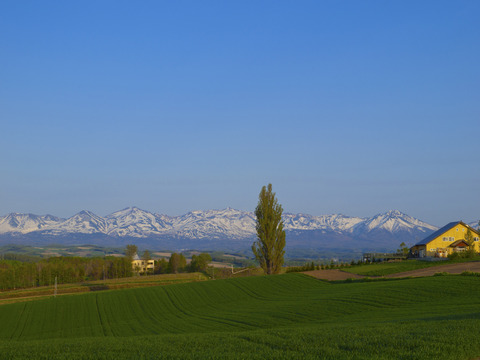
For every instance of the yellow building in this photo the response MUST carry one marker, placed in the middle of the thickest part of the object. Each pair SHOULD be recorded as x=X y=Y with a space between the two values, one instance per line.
x=141 y=266
x=445 y=241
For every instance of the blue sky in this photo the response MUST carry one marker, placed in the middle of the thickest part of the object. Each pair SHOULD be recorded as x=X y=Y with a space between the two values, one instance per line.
x=351 y=107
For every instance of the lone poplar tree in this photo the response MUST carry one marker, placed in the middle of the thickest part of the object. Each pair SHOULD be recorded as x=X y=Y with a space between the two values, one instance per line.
x=268 y=248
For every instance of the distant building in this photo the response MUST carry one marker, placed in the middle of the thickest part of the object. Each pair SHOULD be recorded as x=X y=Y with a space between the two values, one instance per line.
x=448 y=239
x=141 y=266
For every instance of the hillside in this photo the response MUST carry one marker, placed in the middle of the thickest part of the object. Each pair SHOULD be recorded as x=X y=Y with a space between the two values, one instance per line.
x=285 y=316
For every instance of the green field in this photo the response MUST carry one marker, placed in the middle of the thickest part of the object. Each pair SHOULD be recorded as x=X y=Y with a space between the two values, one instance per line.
x=27 y=294
x=282 y=317
x=387 y=268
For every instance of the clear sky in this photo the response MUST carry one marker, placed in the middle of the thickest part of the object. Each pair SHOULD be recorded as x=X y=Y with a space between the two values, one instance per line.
x=352 y=107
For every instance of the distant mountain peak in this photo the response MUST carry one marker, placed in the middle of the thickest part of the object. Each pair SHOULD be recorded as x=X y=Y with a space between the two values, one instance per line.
x=394 y=213
x=225 y=224
x=391 y=214
x=393 y=221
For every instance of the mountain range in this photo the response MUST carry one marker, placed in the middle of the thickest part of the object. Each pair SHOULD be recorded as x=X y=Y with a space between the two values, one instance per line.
x=227 y=229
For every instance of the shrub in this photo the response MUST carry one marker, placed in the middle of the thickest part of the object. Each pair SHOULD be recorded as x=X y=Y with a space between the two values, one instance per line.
x=470 y=273
x=306 y=267
x=454 y=255
x=468 y=254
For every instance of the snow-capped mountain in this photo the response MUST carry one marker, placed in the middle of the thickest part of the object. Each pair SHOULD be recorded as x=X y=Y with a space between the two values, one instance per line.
x=475 y=224
x=216 y=224
x=135 y=222
x=393 y=221
x=227 y=229
x=85 y=222
x=336 y=222
x=210 y=224
x=25 y=223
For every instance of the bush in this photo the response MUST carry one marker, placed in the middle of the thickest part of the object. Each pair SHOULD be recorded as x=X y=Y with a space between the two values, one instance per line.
x=454 y=255
x=200 y=262
x=468 y=254
x=470 y=273
x=306 y=267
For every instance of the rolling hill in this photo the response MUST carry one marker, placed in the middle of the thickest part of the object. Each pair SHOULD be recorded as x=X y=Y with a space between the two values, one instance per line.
x=282 y=317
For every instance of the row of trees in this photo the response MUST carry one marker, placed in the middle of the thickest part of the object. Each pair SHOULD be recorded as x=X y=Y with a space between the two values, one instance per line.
x=15 y=274
x=177 y=262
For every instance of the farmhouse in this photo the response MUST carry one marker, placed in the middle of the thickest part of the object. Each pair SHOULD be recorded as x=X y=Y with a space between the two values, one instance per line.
x=141 y=266
x=444 y=241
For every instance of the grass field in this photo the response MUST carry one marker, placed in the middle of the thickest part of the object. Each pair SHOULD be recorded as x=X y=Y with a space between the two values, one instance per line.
x=284 y=316
x=12 y=296
x=387 y=268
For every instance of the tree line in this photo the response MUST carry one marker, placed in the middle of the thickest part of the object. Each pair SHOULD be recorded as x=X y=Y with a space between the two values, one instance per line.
x=176 y=263
x=17 y=274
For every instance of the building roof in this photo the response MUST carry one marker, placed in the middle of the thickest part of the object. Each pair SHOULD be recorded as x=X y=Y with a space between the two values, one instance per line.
x=458 y=242
x=442 y=230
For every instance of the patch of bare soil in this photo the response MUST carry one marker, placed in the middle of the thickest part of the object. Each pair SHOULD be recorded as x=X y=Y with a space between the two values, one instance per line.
x=451 y=269
x=332 y=275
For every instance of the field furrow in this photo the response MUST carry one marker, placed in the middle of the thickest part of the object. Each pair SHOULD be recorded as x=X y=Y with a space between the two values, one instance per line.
x=283 y=316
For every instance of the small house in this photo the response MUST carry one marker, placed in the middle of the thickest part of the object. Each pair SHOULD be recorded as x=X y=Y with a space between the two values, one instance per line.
x=444 y=241
x=142 y=266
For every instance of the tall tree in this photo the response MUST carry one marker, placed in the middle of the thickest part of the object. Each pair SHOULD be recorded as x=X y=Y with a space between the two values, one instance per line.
x=177 y=263
x=404 y=250
x=131 y=251
x=200 y=262
x=469 y=240
x=270 y=243
x=161 y=266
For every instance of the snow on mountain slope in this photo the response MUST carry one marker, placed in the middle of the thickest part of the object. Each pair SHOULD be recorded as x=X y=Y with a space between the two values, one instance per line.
x=85 y=222
x=216 y=224
x=474 y=224
x=393 y=221
x=337 y=222
x=25 y=223
x=135 y=222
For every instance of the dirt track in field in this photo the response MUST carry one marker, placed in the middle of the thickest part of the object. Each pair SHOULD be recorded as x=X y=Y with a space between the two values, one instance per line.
x=332 y=275
x=451 y=269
